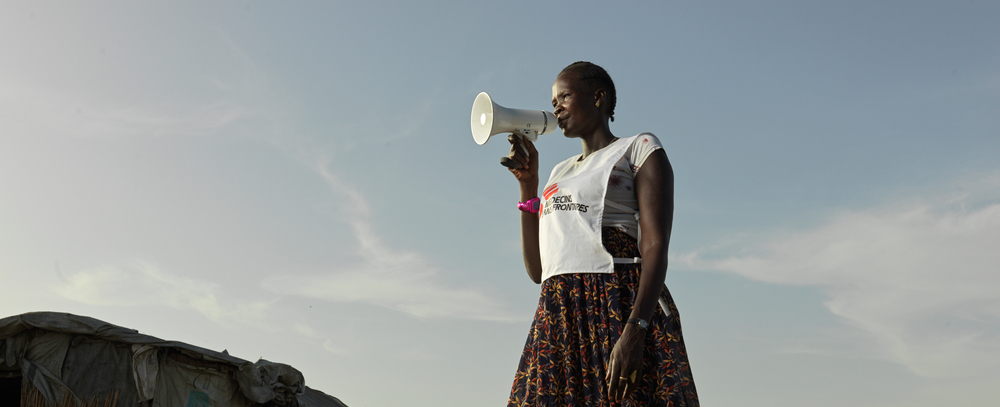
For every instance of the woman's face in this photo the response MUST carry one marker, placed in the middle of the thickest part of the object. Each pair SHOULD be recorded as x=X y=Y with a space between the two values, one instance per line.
x=575 y=108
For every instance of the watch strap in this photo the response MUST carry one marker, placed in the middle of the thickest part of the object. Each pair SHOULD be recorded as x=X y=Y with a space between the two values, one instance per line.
x=531 y=206
x=638 y=321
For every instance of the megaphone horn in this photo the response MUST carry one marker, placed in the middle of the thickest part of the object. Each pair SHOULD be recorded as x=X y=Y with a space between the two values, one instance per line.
x=489 y=119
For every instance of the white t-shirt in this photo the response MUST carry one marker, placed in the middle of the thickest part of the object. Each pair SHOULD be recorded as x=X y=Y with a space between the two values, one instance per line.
x=621 y=184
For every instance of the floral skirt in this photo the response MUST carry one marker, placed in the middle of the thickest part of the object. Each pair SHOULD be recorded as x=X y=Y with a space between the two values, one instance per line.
x=578 y=321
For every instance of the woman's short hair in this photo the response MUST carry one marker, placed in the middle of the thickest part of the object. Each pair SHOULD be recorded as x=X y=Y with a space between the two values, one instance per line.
x=595 y=77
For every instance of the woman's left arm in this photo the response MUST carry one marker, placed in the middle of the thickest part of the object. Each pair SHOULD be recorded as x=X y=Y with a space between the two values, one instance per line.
x=654 y=189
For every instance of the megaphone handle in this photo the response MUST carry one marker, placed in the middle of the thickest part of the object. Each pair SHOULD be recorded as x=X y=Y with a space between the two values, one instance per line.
x=507 y=162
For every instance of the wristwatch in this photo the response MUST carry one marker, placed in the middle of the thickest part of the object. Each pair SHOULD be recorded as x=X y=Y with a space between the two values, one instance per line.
x=531 y=206
x=638 y=321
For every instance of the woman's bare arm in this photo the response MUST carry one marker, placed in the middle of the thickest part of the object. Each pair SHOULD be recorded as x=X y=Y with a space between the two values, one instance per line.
x=527 y=177
x=654 y=186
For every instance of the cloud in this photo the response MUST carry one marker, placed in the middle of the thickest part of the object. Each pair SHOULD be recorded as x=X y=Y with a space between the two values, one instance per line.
x=28 y=109
x=140 y=283
x=401 y=280
x=319 y=340
x=231 y=91
x=921 y=277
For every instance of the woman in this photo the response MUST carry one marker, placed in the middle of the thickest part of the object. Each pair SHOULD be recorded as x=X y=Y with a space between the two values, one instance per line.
x=606 y=331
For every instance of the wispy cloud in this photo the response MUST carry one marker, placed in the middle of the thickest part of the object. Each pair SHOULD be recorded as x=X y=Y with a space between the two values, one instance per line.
x=397 y=279
x=234 y=92
x=28 y=109
x=319 y=340
x=921 y=277
x=139 y=283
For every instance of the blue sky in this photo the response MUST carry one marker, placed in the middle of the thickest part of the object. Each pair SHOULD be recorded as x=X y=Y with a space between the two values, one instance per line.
x=297 y=181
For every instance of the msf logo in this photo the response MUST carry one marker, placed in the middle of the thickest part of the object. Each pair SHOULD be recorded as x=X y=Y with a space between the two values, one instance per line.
x=550 y=190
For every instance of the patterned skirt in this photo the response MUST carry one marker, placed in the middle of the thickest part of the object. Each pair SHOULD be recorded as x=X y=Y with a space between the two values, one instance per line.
x=578 y=321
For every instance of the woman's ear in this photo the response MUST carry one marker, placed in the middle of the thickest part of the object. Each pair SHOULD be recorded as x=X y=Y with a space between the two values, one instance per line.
x=599 y=97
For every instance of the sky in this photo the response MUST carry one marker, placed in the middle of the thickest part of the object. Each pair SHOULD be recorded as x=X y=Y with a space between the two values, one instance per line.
x=297 y=181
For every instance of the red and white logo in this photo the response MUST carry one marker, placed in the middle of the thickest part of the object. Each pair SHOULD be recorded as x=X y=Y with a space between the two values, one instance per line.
x=550 y=190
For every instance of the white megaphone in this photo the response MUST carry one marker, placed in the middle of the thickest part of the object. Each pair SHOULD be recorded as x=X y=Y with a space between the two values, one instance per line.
x=489 y=119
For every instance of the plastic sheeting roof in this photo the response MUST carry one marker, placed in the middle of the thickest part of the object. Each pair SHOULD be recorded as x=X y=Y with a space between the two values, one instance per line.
x=59 y=352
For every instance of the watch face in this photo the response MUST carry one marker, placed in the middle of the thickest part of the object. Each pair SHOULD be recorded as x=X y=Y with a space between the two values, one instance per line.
x=531 y=206
x=639 y=321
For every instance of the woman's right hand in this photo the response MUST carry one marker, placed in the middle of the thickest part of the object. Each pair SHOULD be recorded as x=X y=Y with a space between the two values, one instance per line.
x=527 y=163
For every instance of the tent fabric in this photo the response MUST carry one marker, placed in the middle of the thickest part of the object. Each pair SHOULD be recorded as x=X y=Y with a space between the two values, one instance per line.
x=145 y=366
x=62 y=354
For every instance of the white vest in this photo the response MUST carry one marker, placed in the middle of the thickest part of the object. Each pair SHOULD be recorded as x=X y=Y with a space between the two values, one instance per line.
x=569 y=226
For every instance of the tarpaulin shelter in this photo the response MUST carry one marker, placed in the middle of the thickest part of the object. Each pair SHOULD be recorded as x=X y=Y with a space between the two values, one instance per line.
x=58 y=359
